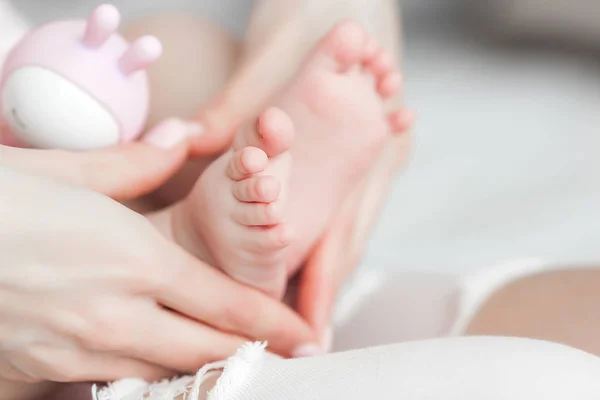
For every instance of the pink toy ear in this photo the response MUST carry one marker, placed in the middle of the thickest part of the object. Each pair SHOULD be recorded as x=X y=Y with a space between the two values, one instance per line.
x=143 y=52
x=102 y=23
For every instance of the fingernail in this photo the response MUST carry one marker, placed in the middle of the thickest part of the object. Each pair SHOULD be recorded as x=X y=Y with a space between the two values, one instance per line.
x=327 y=340
x=171 y=132
x=308 y=350
x=195 y=128
x=167 y=134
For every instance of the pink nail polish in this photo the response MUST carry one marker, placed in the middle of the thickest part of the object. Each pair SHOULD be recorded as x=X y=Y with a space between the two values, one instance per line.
x=195 y=128
x=308 y=350
x=170 y=133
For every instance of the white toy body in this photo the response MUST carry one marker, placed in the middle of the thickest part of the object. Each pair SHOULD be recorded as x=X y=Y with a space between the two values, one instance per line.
x=77 y=85
x=45 y=110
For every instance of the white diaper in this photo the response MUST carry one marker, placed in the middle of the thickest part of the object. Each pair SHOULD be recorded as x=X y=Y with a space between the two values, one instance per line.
x=475 y=289
x=416 y=305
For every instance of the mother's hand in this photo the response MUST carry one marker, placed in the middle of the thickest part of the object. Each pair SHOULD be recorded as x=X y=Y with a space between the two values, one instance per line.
x=90 y=291
x=122 y=172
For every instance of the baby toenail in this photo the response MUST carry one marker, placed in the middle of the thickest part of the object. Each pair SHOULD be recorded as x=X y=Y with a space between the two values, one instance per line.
x=253 y=159
x=168 y=134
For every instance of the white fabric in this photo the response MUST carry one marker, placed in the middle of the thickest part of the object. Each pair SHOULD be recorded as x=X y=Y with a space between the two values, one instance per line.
x=472 y=368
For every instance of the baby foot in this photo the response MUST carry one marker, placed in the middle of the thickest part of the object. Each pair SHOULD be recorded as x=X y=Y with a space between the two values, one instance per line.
x=337 y=103
x=238 y=205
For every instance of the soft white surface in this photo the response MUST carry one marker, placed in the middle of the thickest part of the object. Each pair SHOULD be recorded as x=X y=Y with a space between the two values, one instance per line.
x=491 y=368
x=506 y=163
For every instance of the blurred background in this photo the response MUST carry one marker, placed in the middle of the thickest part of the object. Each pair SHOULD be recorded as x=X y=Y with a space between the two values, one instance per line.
x=506 y=161
x=507 y=157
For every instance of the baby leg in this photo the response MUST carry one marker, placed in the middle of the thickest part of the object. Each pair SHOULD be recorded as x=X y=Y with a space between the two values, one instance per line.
x=559 y=305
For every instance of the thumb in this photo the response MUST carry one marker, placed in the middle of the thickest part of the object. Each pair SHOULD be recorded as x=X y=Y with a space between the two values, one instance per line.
x=321 y=280
x=218 y=123
x=121 y=172
x=238 y=103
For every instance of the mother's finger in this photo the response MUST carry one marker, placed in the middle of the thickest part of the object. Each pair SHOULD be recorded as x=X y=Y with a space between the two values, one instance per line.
x=321 y=279
x=69 y=364
x=121 y=172
x=206 y=294
x=179 y=343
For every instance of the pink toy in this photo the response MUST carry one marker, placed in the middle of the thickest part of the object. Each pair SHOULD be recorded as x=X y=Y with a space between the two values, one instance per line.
x=77 y=85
